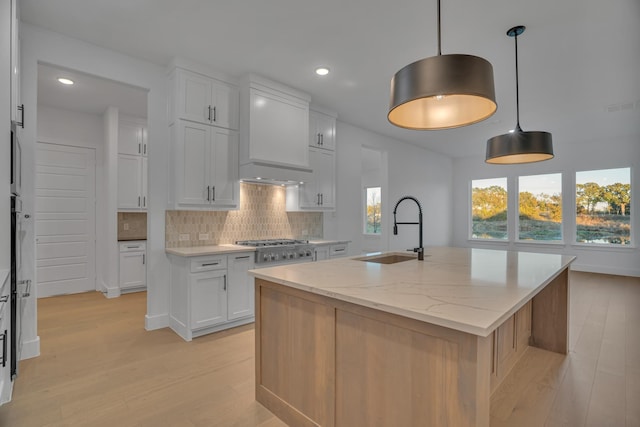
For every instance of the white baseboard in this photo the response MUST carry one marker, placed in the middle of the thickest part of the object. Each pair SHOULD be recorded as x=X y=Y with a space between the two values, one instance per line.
x=30 y=349
x=604 y=269
x=158 y=321
x=112 y=292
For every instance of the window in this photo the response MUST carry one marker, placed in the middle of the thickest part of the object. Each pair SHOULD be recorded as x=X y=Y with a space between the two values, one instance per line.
x=373 y=211
x=540 y=207
x=603 y=206
x=489 y=208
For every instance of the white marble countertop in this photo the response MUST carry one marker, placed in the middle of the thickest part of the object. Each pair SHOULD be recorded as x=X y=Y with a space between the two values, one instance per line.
x=470 y=290
x=209 y=250
x=322 y=242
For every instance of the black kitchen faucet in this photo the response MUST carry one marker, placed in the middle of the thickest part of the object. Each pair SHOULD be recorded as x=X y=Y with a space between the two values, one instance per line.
x=419 y=249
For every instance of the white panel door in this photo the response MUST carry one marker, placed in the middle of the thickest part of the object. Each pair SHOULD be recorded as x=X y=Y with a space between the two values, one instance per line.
x=130 y=183
x=224 y=168
x=65 y=219
x=208 y=298
x=240 y=298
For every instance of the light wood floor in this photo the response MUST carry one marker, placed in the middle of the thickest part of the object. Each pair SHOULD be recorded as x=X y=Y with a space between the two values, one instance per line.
x=99 y=367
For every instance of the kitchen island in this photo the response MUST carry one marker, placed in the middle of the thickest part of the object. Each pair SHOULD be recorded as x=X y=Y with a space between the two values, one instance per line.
x=390 y=340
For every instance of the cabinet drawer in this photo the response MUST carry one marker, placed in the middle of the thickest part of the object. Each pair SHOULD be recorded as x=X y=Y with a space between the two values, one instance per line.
x=338 y=250
x=208 y=263
x=133 y=246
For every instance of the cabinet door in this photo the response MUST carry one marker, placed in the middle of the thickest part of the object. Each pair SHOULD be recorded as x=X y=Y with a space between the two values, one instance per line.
x=327 y=130
x=240 y=300
x=322 y=252
x=133 y=270
x=223 y=177
x=129 y=138
x=192 y=164
x=208 y=298
x=145 y=141
x=226 y=103
x=324 y=170
x=322 y=131
x=144 y=183
x=129 y=182
x=194 y=97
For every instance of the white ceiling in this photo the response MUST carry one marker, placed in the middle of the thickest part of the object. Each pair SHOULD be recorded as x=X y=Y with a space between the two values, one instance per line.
x=88 y=94
x=577 y=57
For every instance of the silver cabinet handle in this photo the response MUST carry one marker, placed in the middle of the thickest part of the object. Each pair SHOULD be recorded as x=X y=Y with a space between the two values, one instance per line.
x=144 y=257
x=133 y=247
x=243 y=257
x=138 y=201
x=139 y=148
x=4 y=298
x=318 y=139
x=321 y=199
x=208 y=193
x=214 y=114
x=225 y=282
x=209 y=117
x=207 y=264
x=144 y=201
x=213 y=193
x=321 y=139
x=145 y=149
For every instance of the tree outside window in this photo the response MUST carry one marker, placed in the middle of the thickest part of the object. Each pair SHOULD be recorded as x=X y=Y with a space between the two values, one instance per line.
x=603 y=206
x=373 y=211
x=489 y=208
x=540 y=207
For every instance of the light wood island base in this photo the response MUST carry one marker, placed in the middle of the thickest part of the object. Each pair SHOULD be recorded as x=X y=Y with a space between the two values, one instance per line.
x=325 y=362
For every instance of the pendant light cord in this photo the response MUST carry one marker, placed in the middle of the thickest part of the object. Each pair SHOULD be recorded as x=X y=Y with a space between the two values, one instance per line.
x=439 y=44
x=518 y=129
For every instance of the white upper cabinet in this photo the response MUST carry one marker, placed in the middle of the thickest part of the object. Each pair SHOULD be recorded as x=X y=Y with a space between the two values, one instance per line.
x=318 y=193
x=132 y=164
x=206 y=166
x=132 y=182
x=132 y=137
x=276 y=126
x=205 y=100
x=322 y=130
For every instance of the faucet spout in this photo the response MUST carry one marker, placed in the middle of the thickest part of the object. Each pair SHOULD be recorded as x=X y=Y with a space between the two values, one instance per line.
x=420 y=248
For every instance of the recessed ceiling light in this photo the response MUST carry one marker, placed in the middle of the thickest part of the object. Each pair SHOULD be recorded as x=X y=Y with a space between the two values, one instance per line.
x=322 y=71
x=65 y=81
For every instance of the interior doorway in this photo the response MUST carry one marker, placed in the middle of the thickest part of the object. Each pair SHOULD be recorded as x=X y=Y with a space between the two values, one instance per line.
x=83 y=117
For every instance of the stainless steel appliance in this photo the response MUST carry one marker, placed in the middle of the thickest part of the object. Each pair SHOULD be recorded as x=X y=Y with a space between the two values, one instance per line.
x=272 y=252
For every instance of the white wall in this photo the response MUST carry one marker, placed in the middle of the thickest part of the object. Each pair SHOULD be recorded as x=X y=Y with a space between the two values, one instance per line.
x=39 y=45
x=411 y=171
x=613 y=152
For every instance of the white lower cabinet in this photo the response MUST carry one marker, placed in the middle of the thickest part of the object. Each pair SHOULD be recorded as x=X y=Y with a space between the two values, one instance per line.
x=210 y=293
x=331 y=250
x=133 y=266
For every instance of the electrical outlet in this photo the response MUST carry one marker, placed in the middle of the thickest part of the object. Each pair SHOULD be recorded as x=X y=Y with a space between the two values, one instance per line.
x=203 y=236
x=184 y=237
x=125 y=226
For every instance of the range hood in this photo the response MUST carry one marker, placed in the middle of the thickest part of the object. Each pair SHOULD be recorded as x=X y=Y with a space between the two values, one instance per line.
x=274 y=142
x=268 y=173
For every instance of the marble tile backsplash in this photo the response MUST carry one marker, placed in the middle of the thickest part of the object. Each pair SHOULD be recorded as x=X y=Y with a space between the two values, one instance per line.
x=262 y=215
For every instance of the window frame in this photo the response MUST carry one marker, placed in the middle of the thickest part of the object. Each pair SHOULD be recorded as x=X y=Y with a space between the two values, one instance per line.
x=365 y=221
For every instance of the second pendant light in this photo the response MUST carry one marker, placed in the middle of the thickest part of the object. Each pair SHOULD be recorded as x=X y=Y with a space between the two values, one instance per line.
x=519 y=146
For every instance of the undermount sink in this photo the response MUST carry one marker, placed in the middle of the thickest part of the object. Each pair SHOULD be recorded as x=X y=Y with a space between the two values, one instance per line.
x=387 y=259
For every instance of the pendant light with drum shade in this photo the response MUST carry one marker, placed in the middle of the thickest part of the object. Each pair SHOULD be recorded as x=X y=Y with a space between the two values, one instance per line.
x=519 y=146
x=442 y=92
